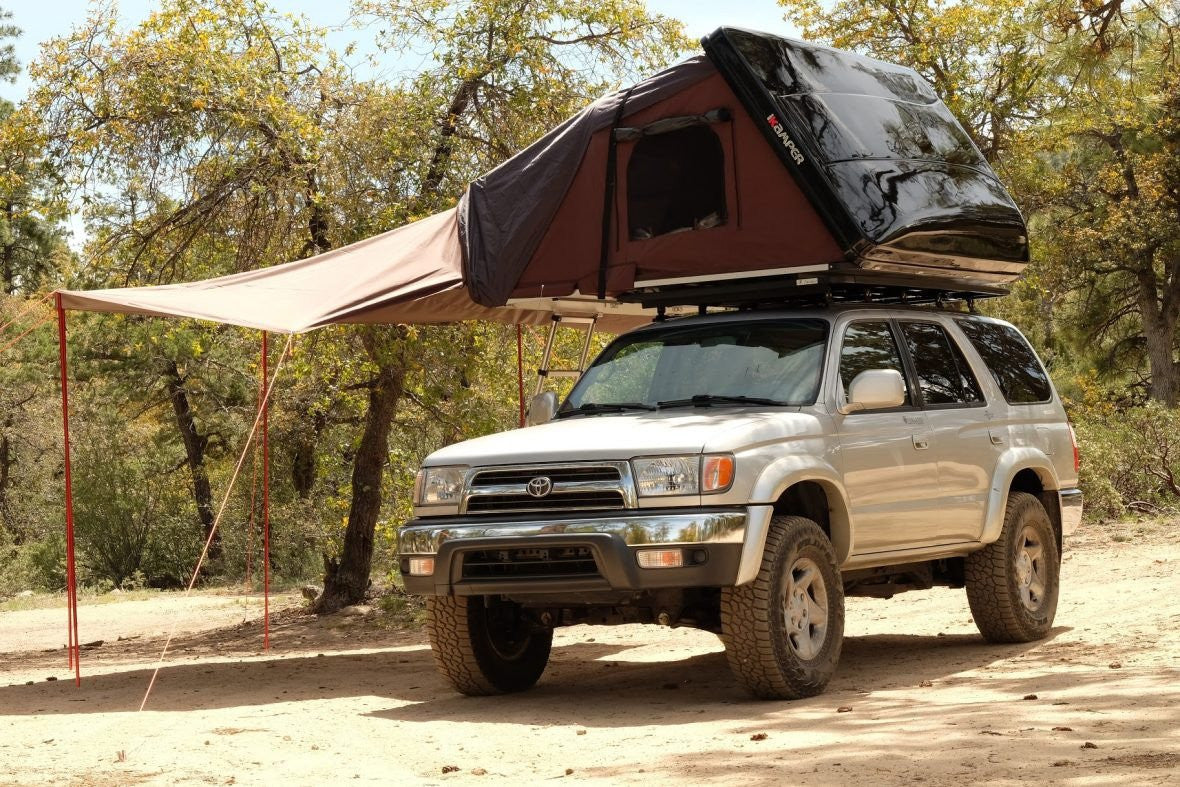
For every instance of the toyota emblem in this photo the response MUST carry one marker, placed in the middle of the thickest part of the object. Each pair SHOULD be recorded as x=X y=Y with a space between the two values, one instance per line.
x=539 y=486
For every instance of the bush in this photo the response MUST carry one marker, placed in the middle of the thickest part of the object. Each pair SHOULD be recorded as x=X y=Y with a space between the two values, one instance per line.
x=1130 y=458
x=134 y=518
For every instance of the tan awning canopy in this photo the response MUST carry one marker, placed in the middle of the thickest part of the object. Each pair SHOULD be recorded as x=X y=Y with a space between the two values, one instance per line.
x=412 y=274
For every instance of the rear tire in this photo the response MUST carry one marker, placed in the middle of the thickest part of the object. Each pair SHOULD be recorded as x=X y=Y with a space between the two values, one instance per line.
x=1012 y=584
x=783 y=630
x=485 y=646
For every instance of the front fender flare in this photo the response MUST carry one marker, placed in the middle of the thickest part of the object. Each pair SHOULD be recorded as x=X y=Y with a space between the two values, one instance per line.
x=779 y=476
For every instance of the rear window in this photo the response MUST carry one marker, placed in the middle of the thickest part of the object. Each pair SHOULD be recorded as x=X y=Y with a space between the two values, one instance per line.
x=1011 y=360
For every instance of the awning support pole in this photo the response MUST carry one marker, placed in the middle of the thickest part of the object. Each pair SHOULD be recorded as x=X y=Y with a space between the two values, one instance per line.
x=520 y=372
x=74 y=651
x=265 y=501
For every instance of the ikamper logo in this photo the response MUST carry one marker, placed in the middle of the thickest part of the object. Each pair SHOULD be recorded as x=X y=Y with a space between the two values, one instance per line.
x=788 y=143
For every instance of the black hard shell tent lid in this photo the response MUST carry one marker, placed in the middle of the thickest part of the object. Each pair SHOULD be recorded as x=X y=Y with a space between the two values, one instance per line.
x=751 y=173
x=766 y=157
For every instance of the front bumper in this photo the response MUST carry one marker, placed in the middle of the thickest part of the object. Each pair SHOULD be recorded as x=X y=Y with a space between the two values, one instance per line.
x=579 y=554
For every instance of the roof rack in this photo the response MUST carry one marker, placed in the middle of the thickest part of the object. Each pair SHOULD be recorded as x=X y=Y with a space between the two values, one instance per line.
x=813 y=289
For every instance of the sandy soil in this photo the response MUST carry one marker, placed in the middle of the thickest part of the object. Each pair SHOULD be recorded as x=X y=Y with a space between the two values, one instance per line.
x=348 y=698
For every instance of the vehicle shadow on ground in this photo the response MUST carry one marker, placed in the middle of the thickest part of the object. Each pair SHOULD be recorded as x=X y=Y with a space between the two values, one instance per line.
x=587 y=683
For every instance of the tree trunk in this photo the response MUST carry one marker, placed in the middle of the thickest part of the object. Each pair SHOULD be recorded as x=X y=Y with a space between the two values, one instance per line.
x=195 y=444
x=8 y=253
x=448 y=127
x=303 y=458
x=1165 y=382
x=346 y=579
x=6 y=462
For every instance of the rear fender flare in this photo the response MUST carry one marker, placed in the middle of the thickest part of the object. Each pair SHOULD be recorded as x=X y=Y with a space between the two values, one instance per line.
x=1010 y=463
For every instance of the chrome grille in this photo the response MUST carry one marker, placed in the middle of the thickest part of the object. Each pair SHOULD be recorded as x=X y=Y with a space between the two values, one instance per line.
x=603 y=486
x=522 y=476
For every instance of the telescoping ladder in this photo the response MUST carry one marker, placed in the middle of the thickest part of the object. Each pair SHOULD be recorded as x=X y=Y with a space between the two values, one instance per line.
x=546 y=371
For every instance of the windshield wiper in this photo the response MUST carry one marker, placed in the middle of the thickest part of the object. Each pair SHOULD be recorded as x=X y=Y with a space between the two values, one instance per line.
x=707 y=400
x=605 y=407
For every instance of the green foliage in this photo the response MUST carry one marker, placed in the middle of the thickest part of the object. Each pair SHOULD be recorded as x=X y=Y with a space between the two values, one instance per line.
x=1130 y=459
x=131 y=517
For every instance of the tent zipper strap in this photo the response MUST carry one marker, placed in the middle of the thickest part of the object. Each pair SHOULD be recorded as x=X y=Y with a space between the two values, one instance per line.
x=608 y=192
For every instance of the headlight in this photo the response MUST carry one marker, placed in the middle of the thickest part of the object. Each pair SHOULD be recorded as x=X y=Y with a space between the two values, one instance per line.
x=439 y=486
x=682 y=475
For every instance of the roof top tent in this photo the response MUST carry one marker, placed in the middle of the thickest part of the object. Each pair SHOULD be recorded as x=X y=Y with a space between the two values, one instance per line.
x=765 y=171
x=767 y=166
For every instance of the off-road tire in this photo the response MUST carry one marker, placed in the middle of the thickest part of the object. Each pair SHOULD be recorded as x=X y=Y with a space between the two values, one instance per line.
x=475 y=654
x=994 y=576
x=754 y=616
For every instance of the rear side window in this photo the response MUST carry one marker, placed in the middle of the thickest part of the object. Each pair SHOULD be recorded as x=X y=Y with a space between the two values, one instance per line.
x=943 y=373
x=1011 y=361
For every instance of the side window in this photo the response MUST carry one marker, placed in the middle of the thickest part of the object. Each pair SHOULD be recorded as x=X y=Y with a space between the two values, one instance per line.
x=676 y=182
x=943 y=373
x=869 y=345
x=1011 y=361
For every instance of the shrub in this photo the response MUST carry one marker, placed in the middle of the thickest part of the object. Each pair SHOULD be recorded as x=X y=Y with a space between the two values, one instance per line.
x=133 y=516
x=1130 y=458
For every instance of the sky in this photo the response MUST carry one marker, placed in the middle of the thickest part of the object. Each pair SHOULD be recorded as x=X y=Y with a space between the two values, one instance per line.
x=44 y=19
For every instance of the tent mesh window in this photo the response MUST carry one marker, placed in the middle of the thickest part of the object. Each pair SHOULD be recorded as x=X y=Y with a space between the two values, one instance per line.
x=676 y=182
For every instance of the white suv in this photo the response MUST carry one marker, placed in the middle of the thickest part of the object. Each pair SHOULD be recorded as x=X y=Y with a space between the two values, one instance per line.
x=742 y=473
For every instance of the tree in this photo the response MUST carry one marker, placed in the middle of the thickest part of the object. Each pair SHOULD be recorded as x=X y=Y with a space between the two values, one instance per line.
x=195 y=139
x=31 y=251
x=1105 y=188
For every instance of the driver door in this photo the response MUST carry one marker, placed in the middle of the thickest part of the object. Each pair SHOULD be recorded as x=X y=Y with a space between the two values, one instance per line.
x=890 y=471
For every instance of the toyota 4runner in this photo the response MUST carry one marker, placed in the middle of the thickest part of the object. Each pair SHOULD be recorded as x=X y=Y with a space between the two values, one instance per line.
x=743 y=473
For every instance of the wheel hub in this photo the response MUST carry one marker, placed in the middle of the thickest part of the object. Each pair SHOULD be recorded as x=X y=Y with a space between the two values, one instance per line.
x=1030 y=570
x=805 y=608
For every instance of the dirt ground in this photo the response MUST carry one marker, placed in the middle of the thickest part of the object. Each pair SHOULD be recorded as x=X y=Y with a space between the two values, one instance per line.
x=919 y=697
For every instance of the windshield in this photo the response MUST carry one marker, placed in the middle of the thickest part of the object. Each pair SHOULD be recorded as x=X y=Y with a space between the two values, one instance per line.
x=765 y=362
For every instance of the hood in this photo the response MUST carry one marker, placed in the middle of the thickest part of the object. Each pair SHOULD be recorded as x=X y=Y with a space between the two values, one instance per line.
x=624 y=436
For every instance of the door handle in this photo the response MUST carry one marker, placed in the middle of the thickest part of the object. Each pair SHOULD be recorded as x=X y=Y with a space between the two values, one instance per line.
x=912 y=419
x=996 y=437
x=921 y=443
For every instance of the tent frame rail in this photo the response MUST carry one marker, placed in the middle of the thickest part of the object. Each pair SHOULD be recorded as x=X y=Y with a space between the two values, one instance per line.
x=814 y=290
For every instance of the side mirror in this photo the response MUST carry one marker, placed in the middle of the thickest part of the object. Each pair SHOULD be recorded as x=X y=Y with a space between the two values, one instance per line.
x=541 y=408
x=875 y=389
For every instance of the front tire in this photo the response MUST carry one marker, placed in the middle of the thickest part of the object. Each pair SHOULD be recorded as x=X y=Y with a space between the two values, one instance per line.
x=483 y=646
x=1012 y=584
x=784 y=629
